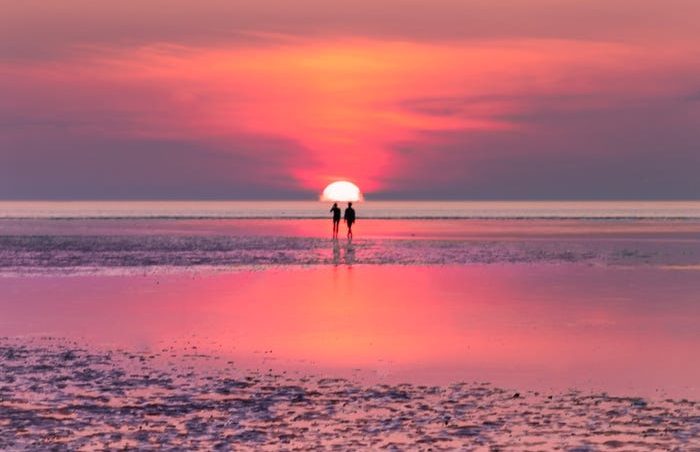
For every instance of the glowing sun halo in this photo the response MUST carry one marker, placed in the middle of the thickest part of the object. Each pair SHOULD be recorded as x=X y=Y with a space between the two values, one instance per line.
x=341 y=191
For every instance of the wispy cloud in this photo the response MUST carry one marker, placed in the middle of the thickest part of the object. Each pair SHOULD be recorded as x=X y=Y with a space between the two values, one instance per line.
x=299 y=96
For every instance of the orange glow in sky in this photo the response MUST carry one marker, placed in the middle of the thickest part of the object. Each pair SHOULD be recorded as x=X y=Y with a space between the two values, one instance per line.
x=298 y=99
x=346 y=103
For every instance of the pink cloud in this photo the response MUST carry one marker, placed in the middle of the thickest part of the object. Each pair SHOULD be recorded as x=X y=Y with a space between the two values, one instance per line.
x=350 y=95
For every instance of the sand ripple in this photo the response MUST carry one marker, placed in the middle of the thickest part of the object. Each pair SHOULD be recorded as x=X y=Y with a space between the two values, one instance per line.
x=59 y=395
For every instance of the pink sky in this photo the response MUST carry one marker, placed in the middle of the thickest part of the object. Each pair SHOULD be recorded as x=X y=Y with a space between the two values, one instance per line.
x=443 y=99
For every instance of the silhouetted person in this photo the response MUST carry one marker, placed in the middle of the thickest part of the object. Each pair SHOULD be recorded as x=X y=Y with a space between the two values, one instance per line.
x=349 y=218
x=336 y=219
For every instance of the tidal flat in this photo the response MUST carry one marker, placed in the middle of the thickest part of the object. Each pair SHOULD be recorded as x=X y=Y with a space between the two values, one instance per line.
x=59 y=395
x=420 y=334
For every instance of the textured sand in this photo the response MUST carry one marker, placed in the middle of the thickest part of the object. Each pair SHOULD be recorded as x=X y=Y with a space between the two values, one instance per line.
x=61 y=395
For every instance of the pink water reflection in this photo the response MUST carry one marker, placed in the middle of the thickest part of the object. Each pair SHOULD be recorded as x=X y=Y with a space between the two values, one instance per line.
x=365 y=228
x=618 y=330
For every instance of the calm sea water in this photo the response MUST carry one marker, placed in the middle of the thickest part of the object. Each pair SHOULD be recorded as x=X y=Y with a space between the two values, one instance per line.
x=370 y=209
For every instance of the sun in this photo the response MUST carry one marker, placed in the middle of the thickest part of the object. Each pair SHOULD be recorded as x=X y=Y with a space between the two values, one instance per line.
x=341 y=191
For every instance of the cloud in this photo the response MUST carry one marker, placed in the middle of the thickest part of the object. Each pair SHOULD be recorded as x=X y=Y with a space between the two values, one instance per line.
x=639 y=152
x=692 y=96
x=70 y=166
x=40 y=29
x=279 y=103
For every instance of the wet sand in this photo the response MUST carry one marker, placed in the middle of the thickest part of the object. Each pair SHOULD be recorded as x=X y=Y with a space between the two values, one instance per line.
x=402 y=357
x=134 y=246
x=59 y=395
x=256 y=334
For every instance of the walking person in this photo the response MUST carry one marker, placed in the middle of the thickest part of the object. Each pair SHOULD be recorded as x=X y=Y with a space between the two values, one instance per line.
x=349 y=218
x=336 y=219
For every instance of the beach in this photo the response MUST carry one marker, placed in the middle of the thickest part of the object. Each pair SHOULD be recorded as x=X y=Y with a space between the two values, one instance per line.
x=354 y=225
x=63 y=396
x=434 y=333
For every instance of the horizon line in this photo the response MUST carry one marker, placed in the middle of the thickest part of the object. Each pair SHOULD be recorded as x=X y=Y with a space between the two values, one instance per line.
x=40 y=200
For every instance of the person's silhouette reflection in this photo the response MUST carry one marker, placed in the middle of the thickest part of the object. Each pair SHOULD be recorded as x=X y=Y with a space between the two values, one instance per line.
x=336 y=252
x=349 y=254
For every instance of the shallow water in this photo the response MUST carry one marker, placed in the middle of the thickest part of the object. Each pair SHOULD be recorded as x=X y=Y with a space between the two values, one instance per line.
x=203 y=333
x=630 y=331
x=126 y=246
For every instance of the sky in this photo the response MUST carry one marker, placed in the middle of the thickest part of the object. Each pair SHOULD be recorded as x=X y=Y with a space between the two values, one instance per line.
x=274 y=99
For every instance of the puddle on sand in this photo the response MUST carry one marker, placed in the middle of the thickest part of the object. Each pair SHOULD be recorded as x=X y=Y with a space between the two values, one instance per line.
x=548 y=328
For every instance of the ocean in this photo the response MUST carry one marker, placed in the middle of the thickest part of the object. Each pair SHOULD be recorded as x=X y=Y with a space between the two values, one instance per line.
x=369 y=209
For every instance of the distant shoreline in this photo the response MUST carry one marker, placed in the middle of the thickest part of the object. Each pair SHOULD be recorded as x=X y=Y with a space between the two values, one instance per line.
x=426 y=218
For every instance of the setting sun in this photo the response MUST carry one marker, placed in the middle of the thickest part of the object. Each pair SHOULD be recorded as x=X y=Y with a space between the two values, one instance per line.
x=341 y=191
x=351 y=224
